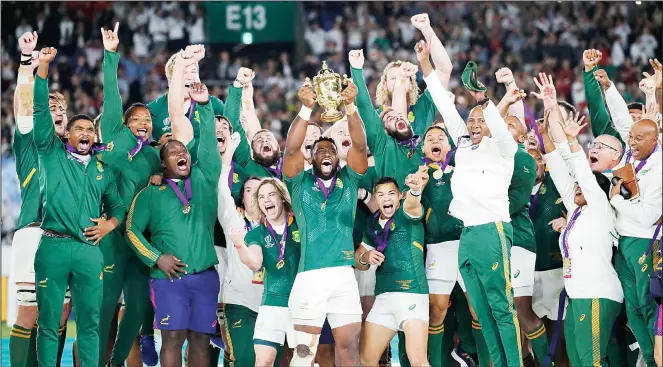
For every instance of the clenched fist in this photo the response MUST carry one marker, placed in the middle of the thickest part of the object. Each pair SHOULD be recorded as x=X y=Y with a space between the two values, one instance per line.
x=591 y=58
x=47 y=55
x=306 y=94
x=198 y=92
x=185 y=58
x=504 y=76
x=408 y=69
x=27 y=42
x=423 y=51
x=350 y=92
x=245 y=76
x=420 y=21
x=356 y=58
x=198 y=51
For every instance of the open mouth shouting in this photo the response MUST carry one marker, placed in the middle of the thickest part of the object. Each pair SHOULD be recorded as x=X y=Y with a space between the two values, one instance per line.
x=326 y=166
x=84 y=144
x=182 y=165
x=388 y=210
x=266 y=149
x=346 y=143
x=270 y=210
x=578 y=192
x=59 y=123
x=401 y=125
x=436 y=153
x=221 y=139
x=142 y=132
x=593 y=158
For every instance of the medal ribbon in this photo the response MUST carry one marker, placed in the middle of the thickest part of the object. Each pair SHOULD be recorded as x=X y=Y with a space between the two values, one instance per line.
x=447 y=159
x=277 y=171
x=642 y=162
x=193 y=105
x=326 y=191
x=651 y=243
x=178 y=192
x=230 y=175
x=141 y=141
x=411 y=143
x=383 y=240
x=284 y=238
x=569 y=227
x=96 y=147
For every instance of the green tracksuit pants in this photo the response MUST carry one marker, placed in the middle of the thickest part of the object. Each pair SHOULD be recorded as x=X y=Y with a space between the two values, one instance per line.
x=483 y=260
x=240 y=324
x=588 y=328
x=60 y=262
x=634 y=276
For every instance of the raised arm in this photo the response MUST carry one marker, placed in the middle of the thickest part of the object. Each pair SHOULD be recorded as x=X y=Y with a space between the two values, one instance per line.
x=452 y=119
x=372 y=122
x=499 y=132
x=616 y=104
x=111 y=118
x=416 y=182
x=24 y=93
x=248 y=247
x=209 y=160
x=443 y=65
x=517 y=109
x=138 y=218
x=357 y=155
x=248 y=114
x=293 y=158
x=598 y=113
x=522 y=182
x=233 y=112
x=182 y=128
x=44 y=132
x=561 y=177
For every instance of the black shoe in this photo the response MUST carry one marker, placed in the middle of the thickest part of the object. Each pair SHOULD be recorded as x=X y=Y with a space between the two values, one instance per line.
x=462 y=357
x=528 y=360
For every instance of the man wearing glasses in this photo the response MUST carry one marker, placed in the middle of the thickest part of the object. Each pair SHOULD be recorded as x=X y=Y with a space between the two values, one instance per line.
x=605 y=152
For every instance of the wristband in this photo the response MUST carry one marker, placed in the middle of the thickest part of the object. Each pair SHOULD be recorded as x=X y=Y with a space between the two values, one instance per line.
x=203 y=103
x=360 y=261
x=367 y=197
x=481 y=102
x=350 y=109
x=26 y=59
x=305 y=113
x=415 y=193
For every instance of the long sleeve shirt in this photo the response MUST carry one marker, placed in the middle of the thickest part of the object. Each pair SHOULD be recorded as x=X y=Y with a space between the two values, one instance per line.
x=482 y=176
x=238 y=287
x=72 y=192
x=619 y=112
x=599 y=117
x=590 y=241
x=637 y=217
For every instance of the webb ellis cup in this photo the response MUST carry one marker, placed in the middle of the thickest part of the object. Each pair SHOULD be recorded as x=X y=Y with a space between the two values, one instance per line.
x=328 y=85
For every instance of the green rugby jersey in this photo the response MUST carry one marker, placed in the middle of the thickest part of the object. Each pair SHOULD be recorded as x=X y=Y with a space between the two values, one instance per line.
x=133 y=170
x=325 y=229
x=403 y=268
x=547 y=206
x=161 y=123
x=439 y=225
x=421 y=115
x=363 y=214
x=391 y=158
x=522 y=182
x=188 y=236
x=278 y=282
x=27 y=170
x=72 y=192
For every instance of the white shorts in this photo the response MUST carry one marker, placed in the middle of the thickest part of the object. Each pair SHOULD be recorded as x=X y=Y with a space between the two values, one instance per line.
x=393 y=309
x=442 y=267
x=327 y=292
x=274 y=325
x=522 y=271
x=547 y=287
x=366 y=281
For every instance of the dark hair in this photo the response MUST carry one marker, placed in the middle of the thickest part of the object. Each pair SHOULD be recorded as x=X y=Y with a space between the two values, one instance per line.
x=80 y=116
x=132 y=109
x=432 y=127
x=163 y=150
x=221 y=117
x=386 y=180
x=320 y=140
x=240 y=200
x=567 y=106
x=604 y=183
x=634 y=106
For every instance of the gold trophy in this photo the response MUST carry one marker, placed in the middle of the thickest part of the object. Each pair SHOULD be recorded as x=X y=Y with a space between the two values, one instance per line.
x=327 y=85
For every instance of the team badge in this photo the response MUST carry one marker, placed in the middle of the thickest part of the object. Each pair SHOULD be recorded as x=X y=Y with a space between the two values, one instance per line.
x=558 y=201
x=543 y=189
x=339 y=183
x=166 y=122
x=129 y=157
x=295 y=236
x=495 y=265
x=410 y=117
x=110 y=146
x=99 y=177
x=162 y=188
x=392 y=226
x=196 y=116
x=100 y=167
x=235 y=178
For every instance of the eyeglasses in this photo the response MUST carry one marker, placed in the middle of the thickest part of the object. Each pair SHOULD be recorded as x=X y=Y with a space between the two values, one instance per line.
x=600 y=146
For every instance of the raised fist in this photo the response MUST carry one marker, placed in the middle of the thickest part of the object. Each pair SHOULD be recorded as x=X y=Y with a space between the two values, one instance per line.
x=185 y=57
x=504 y=76
x=356 y=58
x=27 y=42
x=408 y=69
x=245 y=76
x=306 y=94
x=350 y=92
x=423 y=51
x=591 y=58
x=198 y=52
x=602 y=77
x=47 y=54
x=198 y=92
x=420 y=21
x=110 y=38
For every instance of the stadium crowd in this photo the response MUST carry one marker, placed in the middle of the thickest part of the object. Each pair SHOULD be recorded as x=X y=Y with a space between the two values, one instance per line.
x=468 y=221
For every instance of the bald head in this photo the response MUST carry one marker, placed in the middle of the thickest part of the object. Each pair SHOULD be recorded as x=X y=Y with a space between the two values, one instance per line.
x=643 y=139
x=517 y=128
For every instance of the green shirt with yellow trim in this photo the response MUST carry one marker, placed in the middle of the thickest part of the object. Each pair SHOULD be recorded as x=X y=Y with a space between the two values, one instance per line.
x=403 y=267
x=548 y=206
x=439 y=225
x=325 y=226
x=27 y=170
x=278 y=282
x=520 y=189
x=421 y=115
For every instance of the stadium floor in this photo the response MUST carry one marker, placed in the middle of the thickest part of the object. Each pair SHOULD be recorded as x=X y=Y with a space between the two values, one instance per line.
x=67 y=360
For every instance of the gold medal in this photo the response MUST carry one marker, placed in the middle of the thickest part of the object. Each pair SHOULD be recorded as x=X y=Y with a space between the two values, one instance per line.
x=130 y=157
x=437 y=174
x=642 y=259
x=410 y=153
x=186 y=209
x=324 y=204
x=280 y=264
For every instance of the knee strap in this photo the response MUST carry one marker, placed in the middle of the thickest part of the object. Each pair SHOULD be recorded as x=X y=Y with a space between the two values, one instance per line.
x=306 y=346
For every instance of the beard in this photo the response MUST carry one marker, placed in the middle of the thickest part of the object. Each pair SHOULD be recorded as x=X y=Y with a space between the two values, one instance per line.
x=317 y=171
x=269 y=160
x=400 y=136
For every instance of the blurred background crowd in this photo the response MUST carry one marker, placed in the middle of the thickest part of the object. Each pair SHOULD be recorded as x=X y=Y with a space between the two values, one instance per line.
x=527 y=37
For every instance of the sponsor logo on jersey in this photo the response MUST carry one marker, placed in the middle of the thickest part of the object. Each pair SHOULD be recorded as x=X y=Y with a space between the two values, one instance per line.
x=495 y=265
x=100 y=167
x=348 y=255
x=517 y=274
x=412 y=306
x=295 y=236
x=339 y=183
x=431 y=265
x=582 y=317
x=268 y=242
x=558 y=201
x=237 y=324
x=525 y=169
x=109 y=268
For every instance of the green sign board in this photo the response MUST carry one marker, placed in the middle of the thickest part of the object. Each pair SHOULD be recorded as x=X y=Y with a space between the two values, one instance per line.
x=251 y=22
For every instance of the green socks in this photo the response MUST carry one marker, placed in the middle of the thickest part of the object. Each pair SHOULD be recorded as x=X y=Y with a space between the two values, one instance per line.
x=435 y=336
x=538 y=338
x=22 y=347
x=482 y=349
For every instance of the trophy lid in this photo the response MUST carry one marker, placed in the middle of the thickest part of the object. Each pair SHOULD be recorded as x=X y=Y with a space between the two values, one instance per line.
x=325 y=70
